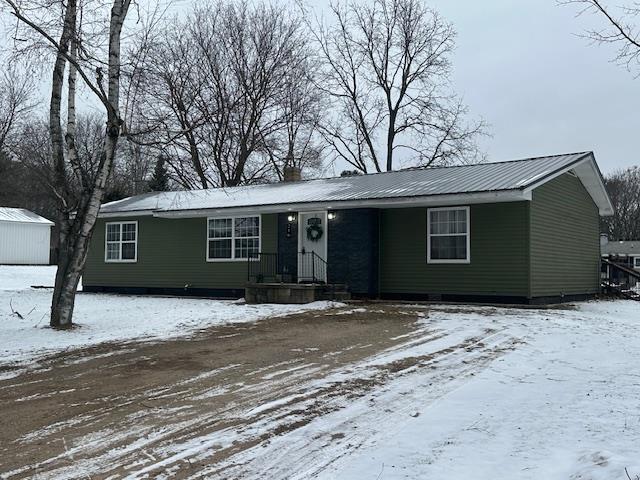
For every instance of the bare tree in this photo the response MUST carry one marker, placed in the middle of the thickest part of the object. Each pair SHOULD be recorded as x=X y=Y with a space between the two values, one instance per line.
x=297 y=143
x=217 y=84
x=17 y=92
x=133 y=76
x=73 y=49
x=624 y=190
x=24 y=170
x=248 y=52
x=387 y=69
x=621 y=30
x=171 y=86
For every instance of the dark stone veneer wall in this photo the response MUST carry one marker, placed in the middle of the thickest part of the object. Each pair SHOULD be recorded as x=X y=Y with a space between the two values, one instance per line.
x=352 y=246
x=288 y=245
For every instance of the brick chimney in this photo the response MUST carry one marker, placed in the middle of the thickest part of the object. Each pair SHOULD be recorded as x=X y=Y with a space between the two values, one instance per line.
x=291 y=174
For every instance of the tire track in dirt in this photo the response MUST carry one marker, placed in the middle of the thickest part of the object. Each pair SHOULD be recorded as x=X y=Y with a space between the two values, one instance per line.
x=215 y=404
x=449 y=367
x=139 y=395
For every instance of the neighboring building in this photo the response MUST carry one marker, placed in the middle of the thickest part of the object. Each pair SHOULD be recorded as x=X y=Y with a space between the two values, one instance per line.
x=626 y=253
x=525 y=231
x=24 y=237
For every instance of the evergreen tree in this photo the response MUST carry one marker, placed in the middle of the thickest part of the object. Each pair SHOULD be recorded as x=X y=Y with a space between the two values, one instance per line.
x=159 y=181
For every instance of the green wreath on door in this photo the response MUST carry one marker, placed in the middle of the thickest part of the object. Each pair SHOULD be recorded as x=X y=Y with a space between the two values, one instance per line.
x=314 y=231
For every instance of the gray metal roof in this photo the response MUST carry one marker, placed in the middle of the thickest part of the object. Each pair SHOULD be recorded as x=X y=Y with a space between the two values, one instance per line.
x=515 y=175
x=21 y=215
x=621 y=248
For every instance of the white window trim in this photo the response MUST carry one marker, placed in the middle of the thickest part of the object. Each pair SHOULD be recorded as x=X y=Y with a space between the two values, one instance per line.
x=429 y=235
x=120 y=242
x=233 y=238
x=635 y=262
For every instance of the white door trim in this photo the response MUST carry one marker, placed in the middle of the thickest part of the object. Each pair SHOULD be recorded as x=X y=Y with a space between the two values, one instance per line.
x=302 y=230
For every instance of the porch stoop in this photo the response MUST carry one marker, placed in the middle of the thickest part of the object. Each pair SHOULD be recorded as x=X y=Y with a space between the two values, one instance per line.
x=296 y=293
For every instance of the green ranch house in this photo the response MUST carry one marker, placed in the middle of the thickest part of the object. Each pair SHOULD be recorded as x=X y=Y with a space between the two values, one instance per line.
x=524 y=231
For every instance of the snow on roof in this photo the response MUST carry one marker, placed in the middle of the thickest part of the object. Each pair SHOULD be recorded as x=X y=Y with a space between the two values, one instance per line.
x=21 y=215
x=419 y=182
x=631 y=247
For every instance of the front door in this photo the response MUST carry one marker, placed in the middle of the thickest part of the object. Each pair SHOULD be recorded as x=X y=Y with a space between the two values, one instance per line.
x=312 y=238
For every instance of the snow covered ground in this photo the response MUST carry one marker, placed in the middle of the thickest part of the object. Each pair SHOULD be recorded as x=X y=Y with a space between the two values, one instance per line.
x=18 y=277
x=103 y=318
x=560 y=401
x=459 y=392
x=563 y=405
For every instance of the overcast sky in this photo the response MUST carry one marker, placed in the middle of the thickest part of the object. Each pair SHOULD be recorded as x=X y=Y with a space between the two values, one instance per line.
x=541 y=87
x=521 y=65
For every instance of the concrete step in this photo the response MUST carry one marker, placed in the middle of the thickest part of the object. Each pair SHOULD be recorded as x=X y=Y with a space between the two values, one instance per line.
x=294 y=292
x=341 y=296
x=337 y=295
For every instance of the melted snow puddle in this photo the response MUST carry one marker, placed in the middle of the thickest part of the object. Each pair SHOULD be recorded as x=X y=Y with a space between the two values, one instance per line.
x=44 y=395
x=209 y=374
x=211 y=393
x=88 y=358
x=279 y=373
x=348 y=312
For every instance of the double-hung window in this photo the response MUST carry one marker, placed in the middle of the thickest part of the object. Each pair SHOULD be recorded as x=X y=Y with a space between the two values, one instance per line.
x=448 y=235
x=233 y=238
x=121 y=242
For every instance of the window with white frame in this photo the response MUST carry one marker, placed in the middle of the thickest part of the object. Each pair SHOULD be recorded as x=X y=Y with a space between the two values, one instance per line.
x=233 y=238
x=121 y=242
x=448 y=235
x=636 y=262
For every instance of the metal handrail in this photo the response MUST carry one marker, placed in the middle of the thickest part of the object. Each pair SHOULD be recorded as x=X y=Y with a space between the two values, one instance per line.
x=263 y=267
x=629 y=271
x=319 y=267
x=622 y=284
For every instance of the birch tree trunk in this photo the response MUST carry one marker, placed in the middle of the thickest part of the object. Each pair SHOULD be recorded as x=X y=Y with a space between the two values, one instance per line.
x=77 y=228
x=60 y=181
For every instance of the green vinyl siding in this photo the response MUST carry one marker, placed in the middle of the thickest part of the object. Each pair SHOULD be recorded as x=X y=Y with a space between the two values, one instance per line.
x=499 y=253
x=565 y=248
x=171 y=254
x=543 y=248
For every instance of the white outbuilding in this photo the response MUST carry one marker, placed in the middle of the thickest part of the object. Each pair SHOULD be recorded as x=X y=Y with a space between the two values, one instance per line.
x=24 y=237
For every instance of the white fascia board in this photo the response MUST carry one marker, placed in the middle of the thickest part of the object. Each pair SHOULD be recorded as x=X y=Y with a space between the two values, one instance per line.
x=425 y=201
x=588 y=173
x=48 y=223
x=131 y=213
x=591 y=178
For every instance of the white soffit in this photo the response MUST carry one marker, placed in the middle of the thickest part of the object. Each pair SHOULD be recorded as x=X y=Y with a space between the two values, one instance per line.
x=589 y=175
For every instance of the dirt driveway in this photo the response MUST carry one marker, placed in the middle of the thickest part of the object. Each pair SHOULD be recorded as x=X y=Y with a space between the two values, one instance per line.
x=196 y=407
